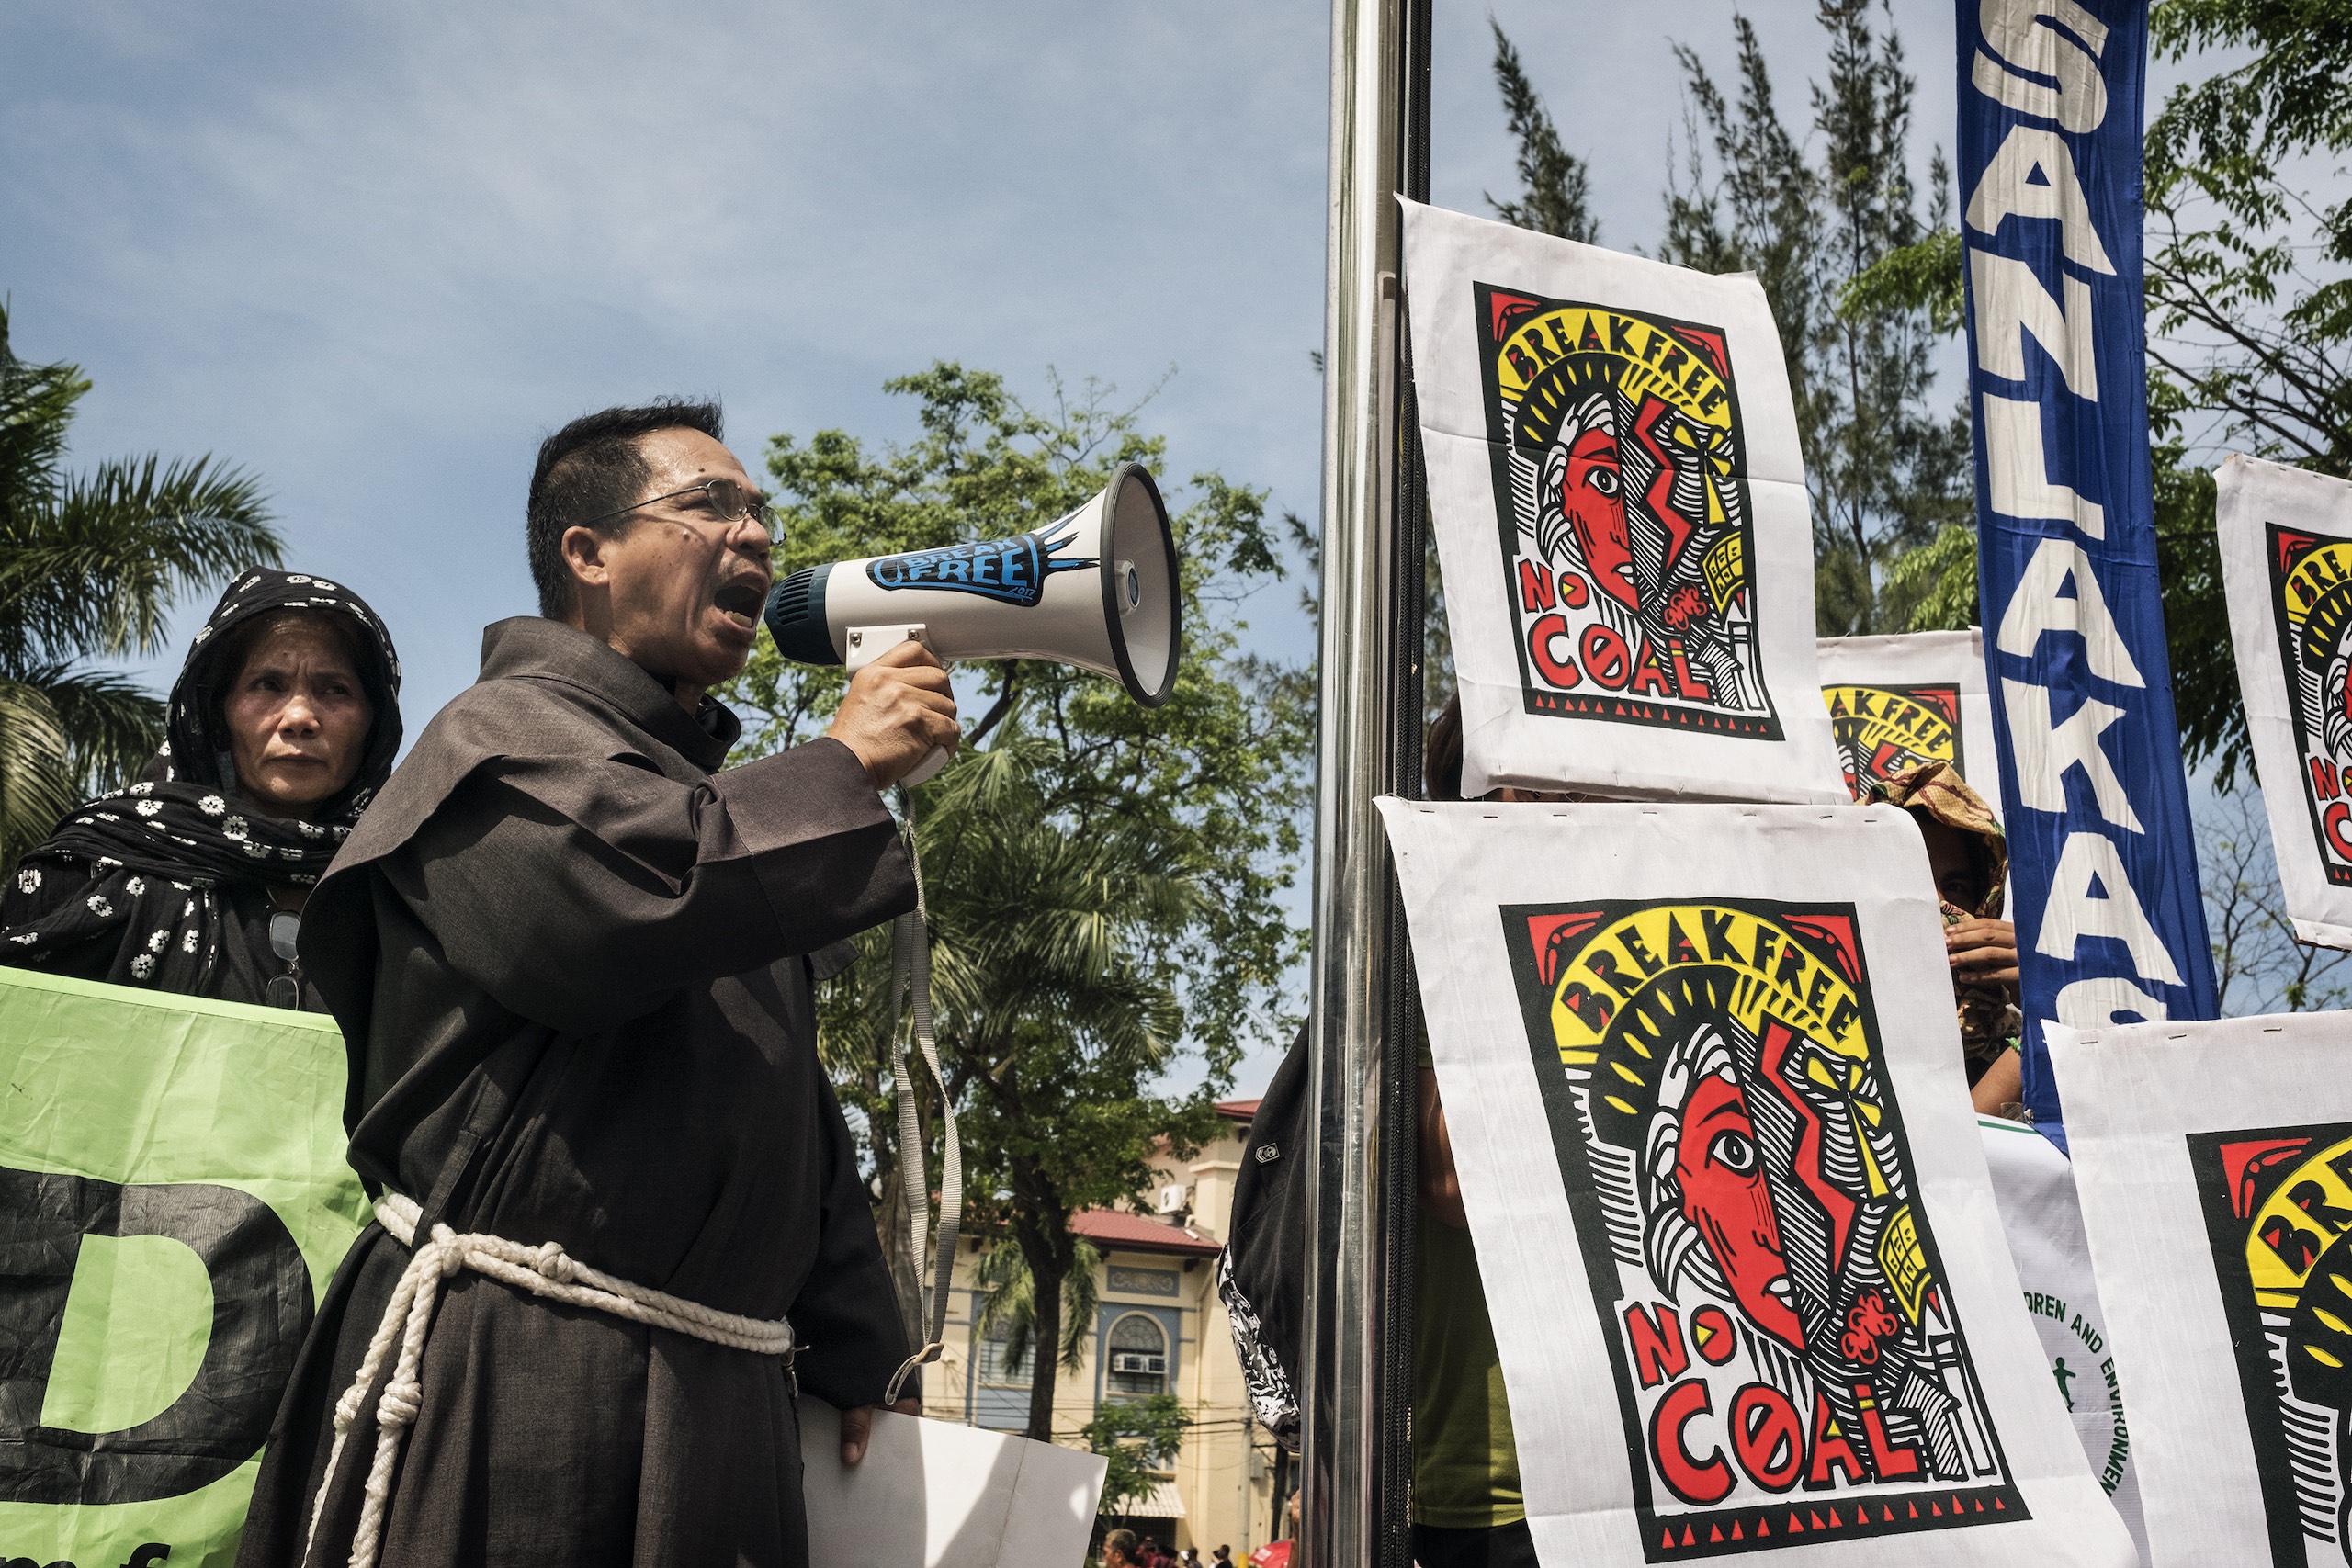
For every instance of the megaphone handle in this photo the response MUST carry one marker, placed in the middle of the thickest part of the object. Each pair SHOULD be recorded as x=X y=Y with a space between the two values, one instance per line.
x=867 y=644
x=928 y=769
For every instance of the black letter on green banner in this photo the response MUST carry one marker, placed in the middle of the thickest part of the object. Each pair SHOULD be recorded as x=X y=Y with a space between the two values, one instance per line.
x=261 y=1305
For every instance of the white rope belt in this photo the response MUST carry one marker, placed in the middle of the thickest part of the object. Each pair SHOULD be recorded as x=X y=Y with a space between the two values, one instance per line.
x=544 y=1270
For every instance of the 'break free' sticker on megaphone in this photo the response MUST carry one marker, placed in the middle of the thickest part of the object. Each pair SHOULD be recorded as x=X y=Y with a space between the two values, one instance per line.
x=1096 y=588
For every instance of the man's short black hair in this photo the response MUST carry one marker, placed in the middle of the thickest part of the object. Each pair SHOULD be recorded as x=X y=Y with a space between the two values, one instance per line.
x=592 y=466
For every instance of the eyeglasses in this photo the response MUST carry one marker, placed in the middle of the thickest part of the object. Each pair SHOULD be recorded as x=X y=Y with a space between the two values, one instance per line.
x=725 y=500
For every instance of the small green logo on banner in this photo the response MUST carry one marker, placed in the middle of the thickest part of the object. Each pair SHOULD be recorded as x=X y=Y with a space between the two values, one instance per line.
x=173 y=1200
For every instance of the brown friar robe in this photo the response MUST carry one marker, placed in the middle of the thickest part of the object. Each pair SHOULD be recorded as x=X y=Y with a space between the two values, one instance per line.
x=570 y=960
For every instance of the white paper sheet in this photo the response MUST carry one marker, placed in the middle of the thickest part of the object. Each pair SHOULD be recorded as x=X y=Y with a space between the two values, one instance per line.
x=1657 y=1031
x=2212 y=1159
x=939 y=1495
x=2286 y=538
x=2035 y=1188
x=1897 y=702
x=1621 y=519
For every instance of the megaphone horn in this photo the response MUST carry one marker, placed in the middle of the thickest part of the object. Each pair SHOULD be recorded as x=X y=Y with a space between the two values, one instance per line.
x=1096 y=588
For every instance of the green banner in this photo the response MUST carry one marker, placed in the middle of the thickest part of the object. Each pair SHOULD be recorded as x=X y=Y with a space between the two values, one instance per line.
x=173 y=1202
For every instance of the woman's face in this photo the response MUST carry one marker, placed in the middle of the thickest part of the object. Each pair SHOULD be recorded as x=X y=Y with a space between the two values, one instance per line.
x=297 y=718
x=1951 y=858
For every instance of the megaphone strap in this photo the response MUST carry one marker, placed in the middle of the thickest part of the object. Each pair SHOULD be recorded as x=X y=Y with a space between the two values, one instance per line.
x=910 y=980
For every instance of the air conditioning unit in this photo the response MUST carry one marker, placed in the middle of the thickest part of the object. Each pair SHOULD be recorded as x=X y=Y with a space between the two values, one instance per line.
x=1140 y=1361
x=1174 y=1197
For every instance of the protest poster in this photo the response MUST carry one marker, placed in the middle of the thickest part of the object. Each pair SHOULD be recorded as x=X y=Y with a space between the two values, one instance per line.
x=2214 y=1161
x=2034 y=1185
x=173 y=1202
x=1897 y=702
x=1621 y=517
x=1747 y=1280
x=2286 y=542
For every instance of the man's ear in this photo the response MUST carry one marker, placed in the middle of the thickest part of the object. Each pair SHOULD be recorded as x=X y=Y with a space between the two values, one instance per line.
x=591 y=575
x=584 y=553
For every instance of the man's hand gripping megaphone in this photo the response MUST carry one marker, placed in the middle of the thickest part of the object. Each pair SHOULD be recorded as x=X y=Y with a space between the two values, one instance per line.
x=899 y=710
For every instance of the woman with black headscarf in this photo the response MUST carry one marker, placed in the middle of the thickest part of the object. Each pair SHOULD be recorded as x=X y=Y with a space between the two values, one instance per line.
x=283 y=725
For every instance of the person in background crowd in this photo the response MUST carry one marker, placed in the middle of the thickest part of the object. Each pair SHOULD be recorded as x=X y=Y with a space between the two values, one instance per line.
x=1969 y=855
x=1468 y=1508
x=281 y=727
x=1119 y=1549
x=1221 y=1557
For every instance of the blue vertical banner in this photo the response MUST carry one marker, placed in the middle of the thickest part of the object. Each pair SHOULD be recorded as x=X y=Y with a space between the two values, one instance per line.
x=2103 y=863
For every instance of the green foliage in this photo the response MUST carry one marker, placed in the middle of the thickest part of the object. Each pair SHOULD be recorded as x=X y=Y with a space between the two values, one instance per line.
x=91 y=565
x=1104 y=880
x=1886 y=474
x=1555 y=185
x=1938 y=580
x=1924 y=275
x=1138 y=1436
x=2249 y=302
x=2206 y=699
x=2241 y=146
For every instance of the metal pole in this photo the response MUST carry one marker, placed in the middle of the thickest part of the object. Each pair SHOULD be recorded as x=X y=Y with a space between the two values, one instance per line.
x=1358 y=1371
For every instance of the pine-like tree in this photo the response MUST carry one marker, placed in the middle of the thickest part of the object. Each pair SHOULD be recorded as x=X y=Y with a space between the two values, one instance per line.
x=1885 y=470
x=1554 y=196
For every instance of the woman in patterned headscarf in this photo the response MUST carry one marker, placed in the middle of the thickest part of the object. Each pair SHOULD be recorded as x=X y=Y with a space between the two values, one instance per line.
x=1969 y=857
x=282 y=726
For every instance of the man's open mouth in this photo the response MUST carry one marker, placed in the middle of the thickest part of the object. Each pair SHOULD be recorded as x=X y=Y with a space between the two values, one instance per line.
x=739 y=601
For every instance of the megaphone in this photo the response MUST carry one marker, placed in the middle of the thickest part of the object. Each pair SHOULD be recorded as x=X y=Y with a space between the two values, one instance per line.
x=1095 y=588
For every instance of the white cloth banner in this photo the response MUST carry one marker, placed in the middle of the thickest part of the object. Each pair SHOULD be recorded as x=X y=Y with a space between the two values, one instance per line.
x=2035 y=1188
x=2214 y=1162
x=2286 y=539
x=1897 y=702
x=1621 y=518
x=939 y=1495
x=1747 y=1280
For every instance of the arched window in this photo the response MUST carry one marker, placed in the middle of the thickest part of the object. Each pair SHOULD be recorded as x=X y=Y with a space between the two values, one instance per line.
x=1138 y=1352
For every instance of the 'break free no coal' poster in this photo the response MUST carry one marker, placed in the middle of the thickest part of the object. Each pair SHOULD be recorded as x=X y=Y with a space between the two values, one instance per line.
x=1622 y=518
x=1741 y=1251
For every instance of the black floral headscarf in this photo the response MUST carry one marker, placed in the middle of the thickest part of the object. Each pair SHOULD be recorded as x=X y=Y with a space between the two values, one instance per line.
x=154 y=856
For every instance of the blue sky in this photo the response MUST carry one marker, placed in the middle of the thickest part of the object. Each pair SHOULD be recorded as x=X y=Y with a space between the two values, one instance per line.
x=375 y=252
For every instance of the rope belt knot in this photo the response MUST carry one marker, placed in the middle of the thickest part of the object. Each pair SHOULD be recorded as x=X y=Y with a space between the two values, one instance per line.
x=544 y=1270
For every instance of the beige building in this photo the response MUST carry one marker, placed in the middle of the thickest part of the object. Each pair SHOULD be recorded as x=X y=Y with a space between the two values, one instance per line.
x=1161 y=1328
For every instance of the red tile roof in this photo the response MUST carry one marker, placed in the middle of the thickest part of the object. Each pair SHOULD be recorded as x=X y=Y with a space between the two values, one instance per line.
x=1116 y=1229
x=1238 y=1110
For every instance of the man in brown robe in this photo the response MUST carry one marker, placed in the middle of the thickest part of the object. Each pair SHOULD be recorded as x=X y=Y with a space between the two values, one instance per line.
x=573 y=960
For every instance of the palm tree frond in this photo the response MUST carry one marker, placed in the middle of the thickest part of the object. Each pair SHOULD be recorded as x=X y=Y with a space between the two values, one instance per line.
x=99 y=569
x=36 y=406
x=35 y=770
x=112 y=727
